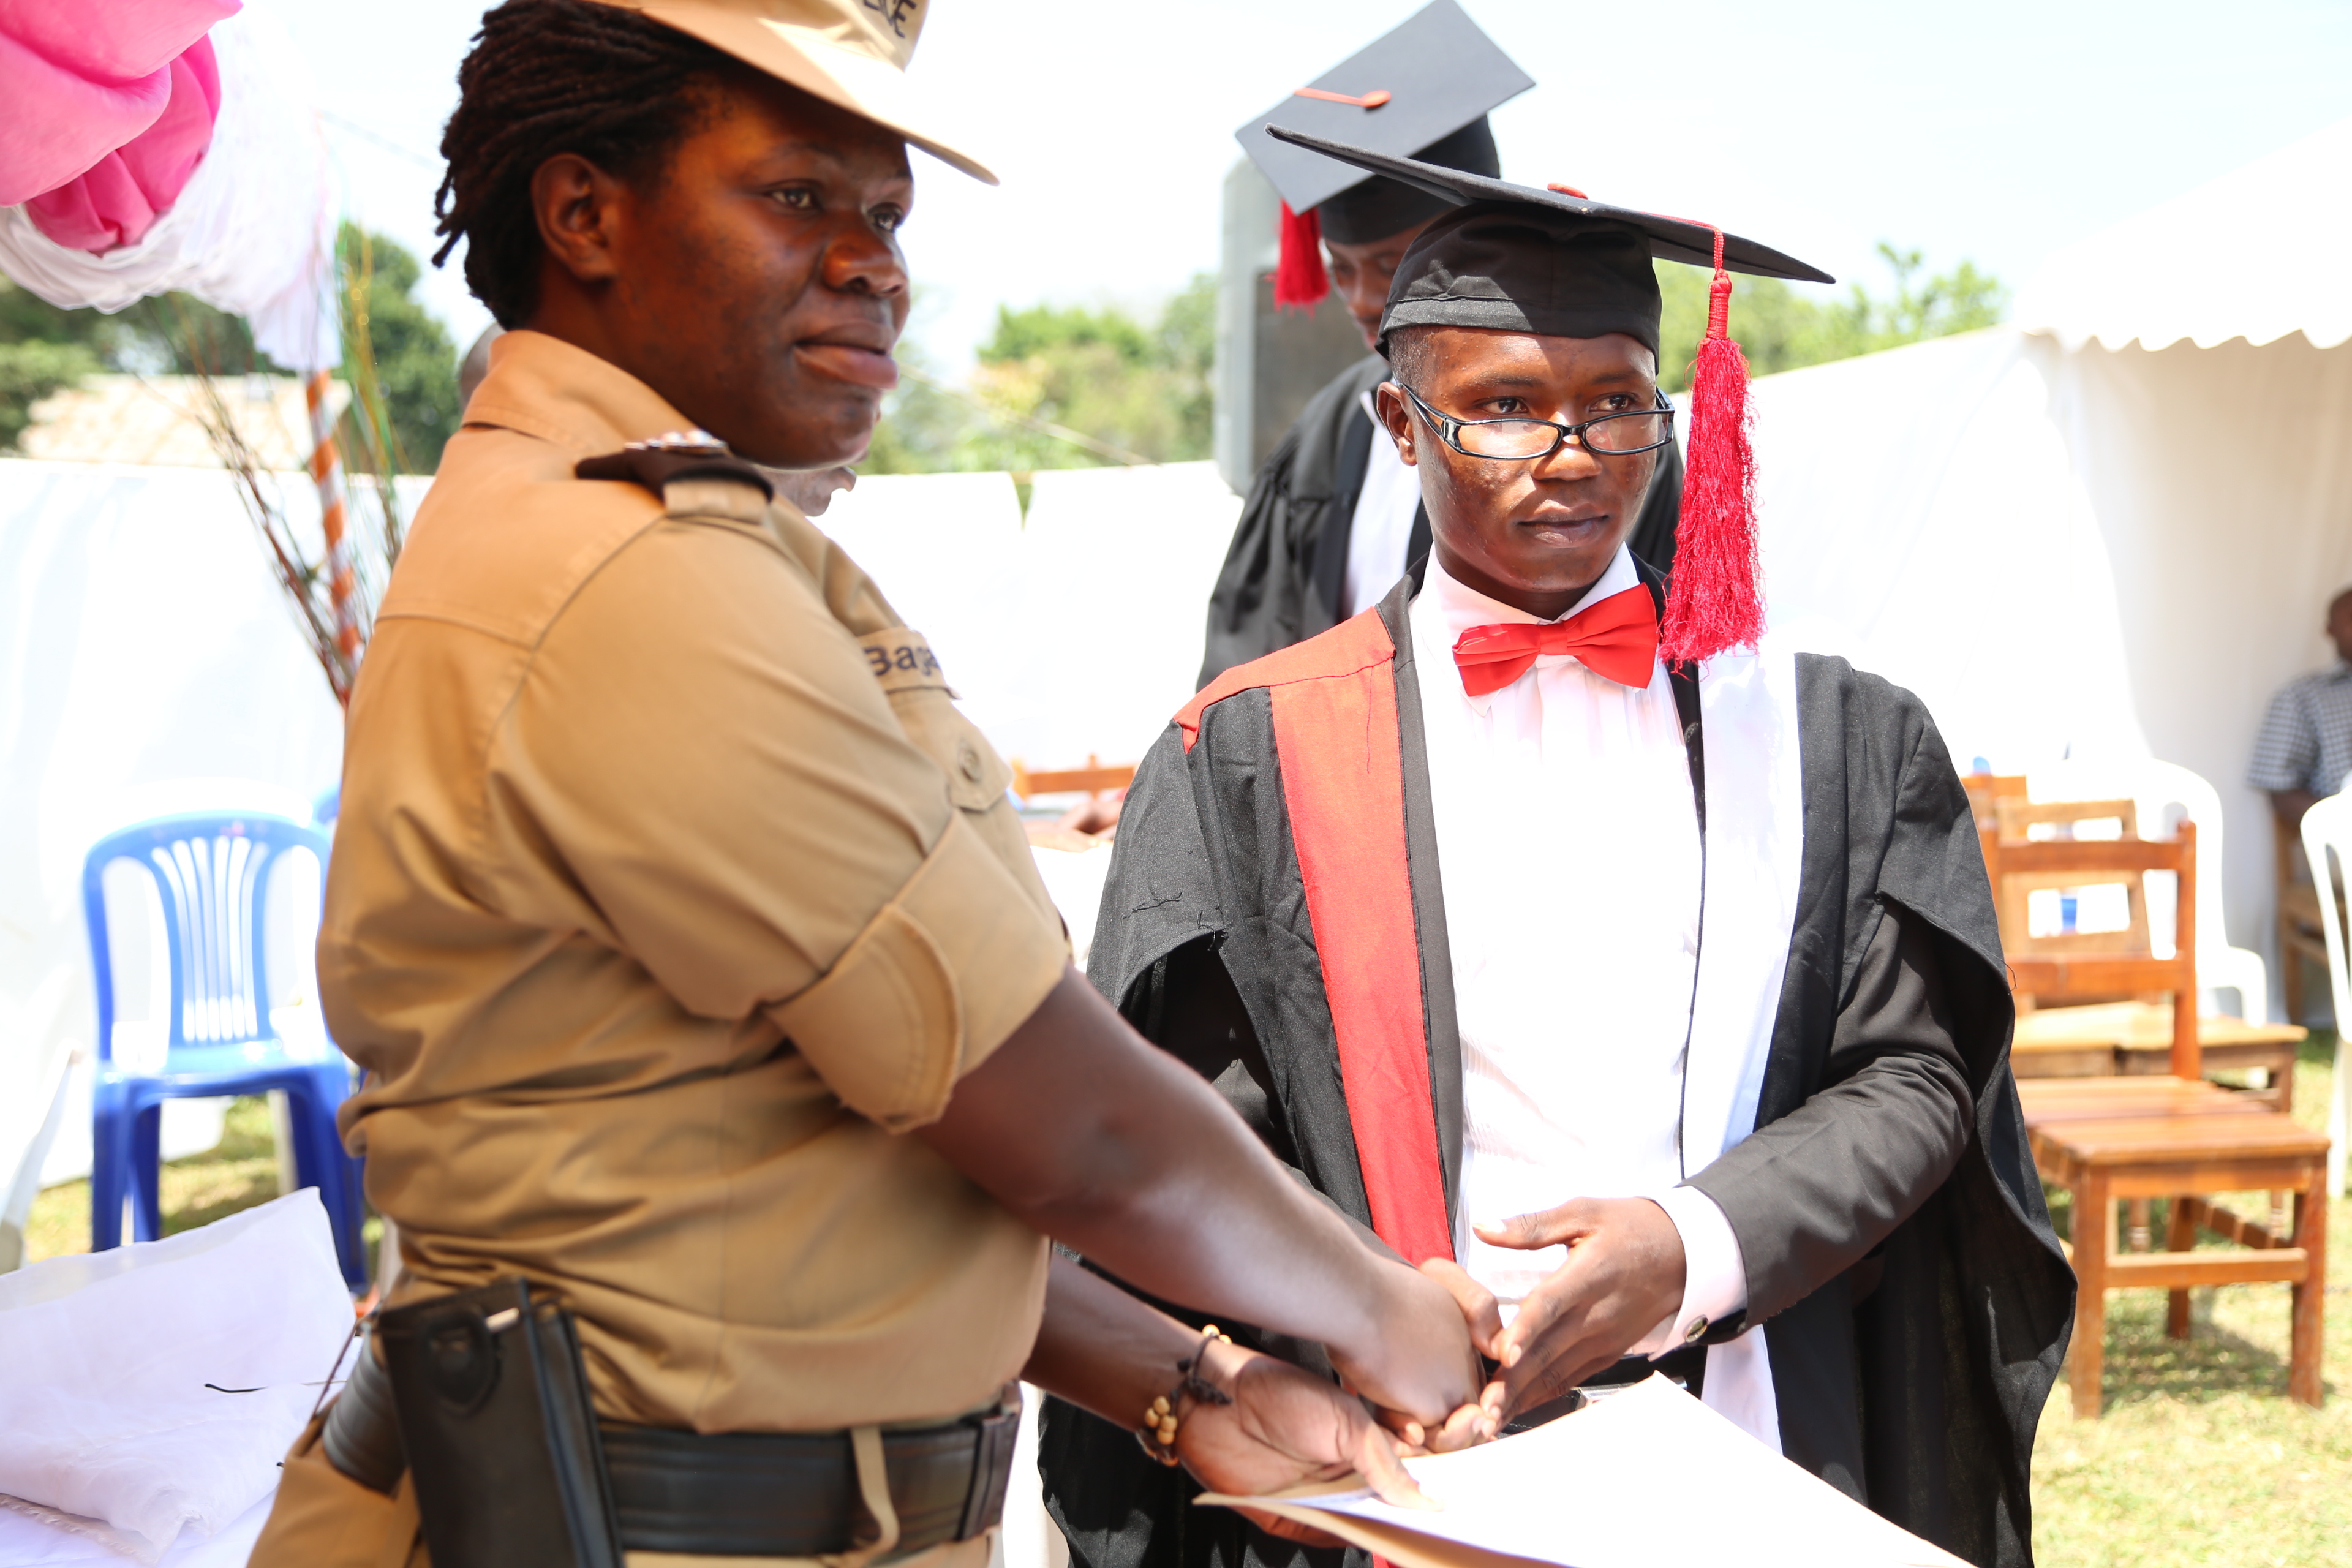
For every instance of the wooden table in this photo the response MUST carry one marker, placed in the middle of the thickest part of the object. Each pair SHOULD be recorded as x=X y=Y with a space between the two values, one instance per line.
x=2135 y=1040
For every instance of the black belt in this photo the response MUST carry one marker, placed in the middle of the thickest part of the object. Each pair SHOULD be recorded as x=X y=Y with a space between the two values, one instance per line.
x=740 y=1494
x=1687 y=1366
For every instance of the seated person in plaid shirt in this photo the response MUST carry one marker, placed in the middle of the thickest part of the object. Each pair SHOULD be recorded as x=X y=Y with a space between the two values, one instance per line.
x=2306 y=745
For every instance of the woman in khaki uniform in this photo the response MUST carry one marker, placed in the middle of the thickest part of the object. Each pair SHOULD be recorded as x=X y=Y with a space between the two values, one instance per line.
x=696 y=959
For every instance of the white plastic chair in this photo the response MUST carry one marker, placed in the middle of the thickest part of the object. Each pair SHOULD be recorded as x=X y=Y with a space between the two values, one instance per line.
x=2329 y=826
x=2153 y=787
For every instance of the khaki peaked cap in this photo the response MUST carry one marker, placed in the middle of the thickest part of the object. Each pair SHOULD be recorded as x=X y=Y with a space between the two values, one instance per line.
x=853 y=53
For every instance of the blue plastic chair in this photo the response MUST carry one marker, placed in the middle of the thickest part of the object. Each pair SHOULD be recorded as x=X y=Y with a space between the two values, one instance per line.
x=210 y=870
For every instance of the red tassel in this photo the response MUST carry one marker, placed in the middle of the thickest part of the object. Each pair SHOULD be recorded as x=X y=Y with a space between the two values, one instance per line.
x=1713 y=604
x=1298 y=280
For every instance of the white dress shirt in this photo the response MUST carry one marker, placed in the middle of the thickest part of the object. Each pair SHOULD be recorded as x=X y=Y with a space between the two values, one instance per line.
x=1568 y=846
x=1381 y=530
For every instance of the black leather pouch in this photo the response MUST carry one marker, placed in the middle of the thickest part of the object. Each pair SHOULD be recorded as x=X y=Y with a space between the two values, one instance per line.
x=500 y=1436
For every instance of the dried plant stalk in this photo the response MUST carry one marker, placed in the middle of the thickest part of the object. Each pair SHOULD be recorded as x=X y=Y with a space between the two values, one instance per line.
x=379 y=438
x=305 y=578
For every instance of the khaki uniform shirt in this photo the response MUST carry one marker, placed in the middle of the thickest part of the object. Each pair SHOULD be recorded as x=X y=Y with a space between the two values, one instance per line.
x=670 y=890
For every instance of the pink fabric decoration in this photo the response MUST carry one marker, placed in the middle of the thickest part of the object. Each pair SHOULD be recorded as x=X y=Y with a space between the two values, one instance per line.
x=86 y=79
x=119 y=198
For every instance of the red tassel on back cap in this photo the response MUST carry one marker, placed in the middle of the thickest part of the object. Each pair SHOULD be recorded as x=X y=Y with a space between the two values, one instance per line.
x=1298 y=280
x=1713 y=604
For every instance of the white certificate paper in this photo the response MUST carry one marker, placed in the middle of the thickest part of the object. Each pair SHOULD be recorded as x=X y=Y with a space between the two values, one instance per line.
x=1647 y=1478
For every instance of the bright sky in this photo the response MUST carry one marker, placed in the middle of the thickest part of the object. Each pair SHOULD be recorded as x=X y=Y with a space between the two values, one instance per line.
x=1997 y=131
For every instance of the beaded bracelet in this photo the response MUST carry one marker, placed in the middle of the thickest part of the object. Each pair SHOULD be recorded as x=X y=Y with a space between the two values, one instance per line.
x=1157 y=1435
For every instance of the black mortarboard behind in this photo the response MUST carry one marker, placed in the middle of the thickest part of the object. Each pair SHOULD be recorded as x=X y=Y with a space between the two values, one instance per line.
x=1669 y=238
x=1422 y=89
x=1557 y=263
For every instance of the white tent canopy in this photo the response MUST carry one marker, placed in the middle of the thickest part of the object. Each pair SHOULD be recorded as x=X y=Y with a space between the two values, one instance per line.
x=2074 y=540
x=2257 y=254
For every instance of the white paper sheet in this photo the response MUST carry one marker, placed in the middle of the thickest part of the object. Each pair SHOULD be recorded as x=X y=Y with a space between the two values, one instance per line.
x=1646 y=1478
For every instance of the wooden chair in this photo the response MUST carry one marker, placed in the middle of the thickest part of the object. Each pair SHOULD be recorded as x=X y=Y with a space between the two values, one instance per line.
x=2096 y=966
x=2135 y=1040
x=2017 y=816
x=1093 y=779
x=2015 y=819
x=2164 y=793
x=2115 y=1139
x=1986 y=791
x=2130 y=1037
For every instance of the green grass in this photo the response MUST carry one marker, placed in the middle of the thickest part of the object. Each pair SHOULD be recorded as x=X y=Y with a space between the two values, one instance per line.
x=2201 y=1457
x=241 y=1172
x=237 y=1174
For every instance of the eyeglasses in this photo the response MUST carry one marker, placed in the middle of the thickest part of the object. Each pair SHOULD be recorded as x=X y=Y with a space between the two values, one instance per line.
x=1525 y=440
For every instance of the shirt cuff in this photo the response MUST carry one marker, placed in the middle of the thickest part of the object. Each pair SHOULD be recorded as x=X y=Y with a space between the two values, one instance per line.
x=947 y=970
x=1715 y=1272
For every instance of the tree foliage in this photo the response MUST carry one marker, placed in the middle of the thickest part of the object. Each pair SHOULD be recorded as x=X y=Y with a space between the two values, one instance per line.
x=43 y=349
x=416 y=364
x=1118 y=388
x=1782 y=326
x=32 y=369
x=1060 y=387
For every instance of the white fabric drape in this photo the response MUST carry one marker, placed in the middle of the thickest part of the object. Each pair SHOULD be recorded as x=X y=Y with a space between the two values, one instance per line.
x=1075 y=631
x=2091 y=554
x=142 y=645
x=1920 y=514
x=254 y=231
x=2222 y=483
x=153 y=1387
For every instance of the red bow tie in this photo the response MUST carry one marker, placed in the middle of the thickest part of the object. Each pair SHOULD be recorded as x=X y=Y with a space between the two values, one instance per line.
x=1617 y=637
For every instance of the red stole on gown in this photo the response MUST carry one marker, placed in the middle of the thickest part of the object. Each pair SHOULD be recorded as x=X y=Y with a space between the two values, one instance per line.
x=1336 y=736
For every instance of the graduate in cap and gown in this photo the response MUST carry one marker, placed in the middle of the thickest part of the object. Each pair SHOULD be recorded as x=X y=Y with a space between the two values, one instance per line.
x=1635 y=974
x=1333 y=518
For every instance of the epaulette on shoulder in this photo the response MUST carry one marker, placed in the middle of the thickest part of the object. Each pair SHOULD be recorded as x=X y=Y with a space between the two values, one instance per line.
x=1357 y=644
x=665 y=460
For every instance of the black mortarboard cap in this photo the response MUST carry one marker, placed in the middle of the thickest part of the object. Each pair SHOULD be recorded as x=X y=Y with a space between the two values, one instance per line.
x=1435 y=76
x=1669 y=238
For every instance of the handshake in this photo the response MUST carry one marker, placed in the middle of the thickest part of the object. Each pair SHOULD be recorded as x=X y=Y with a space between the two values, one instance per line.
x=1432 y=1358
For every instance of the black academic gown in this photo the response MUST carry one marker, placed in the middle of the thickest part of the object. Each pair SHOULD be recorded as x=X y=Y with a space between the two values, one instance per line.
x=1288 y=563
x=1910 y=1361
